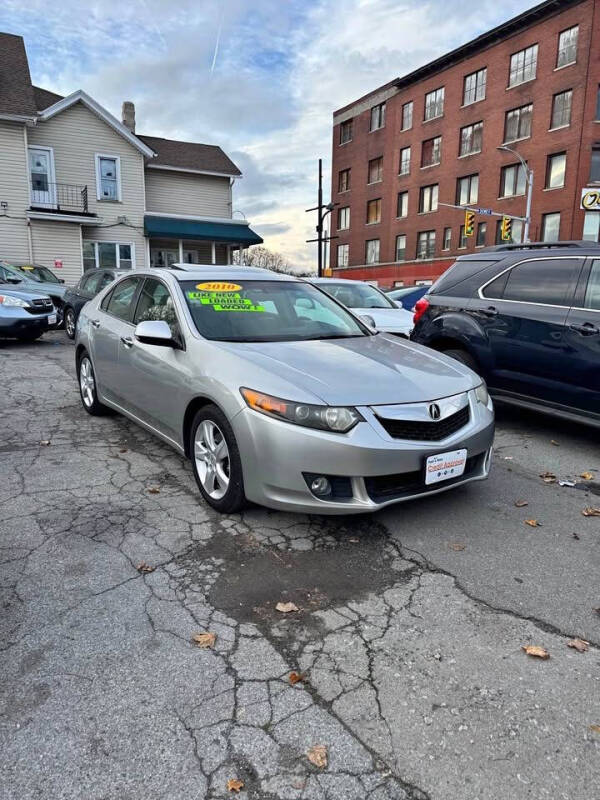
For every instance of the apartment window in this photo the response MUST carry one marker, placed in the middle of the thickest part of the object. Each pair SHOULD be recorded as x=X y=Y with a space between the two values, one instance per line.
x=567 y=46
x=474 y=87
x=426 y=244
x=551 y=227
x=108 y=177
x=402 y=206
x=481 y=232
x=377 y=117
x=428 y=198
x=344 y=180
x=517 y=124
x=561 y=109
x=591 y=227
x=376 y=169
x=407 y=116
x=517 y=232
x=432 y=152
x=404 y=168
x=343 y=218
x=467 y=190
x=598 y=103
x=471 y=138
x=513 y=181
x=346 y=131
x=447 y=239
x=555 y=170
x=595 y=165
x=462 y=238
x=343 y=254
x=434 y=104
x=372 y=251
x=523 y=65
x=110 y=255
x=373 y=211
x=401 y=247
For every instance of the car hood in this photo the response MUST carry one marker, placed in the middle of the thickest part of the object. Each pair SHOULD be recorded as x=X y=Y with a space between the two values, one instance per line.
x=22 y=294
x=44 y=287
x=395 y=320
x=370 y=370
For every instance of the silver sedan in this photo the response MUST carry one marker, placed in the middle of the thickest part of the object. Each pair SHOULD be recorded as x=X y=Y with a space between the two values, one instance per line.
x=277 y=404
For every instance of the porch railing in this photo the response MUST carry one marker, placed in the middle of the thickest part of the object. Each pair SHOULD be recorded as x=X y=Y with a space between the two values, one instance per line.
x=61 y=197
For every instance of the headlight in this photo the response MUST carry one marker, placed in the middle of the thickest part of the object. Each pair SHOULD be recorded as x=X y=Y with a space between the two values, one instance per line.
x=481 y=393
x=326 y=418
x=5 y=300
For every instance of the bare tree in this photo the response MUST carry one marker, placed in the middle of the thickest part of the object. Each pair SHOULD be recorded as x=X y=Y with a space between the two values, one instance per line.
x=259 y=256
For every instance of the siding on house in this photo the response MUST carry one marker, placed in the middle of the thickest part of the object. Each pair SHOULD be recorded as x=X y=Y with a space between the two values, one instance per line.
x=14 y=190
x=171 y=192
x=58 y=240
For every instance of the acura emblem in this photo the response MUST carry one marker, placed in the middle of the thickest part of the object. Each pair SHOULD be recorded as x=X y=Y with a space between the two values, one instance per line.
x=434 y=411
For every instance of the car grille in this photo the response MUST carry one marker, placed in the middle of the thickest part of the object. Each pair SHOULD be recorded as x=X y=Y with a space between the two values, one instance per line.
x=40 y=306
x=414 y=430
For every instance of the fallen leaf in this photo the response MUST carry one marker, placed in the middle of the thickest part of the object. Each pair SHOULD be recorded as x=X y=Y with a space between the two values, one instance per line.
x=554 y=442
x=153 y=490
x=123 y=450
x=204 y=640
x=535 y=651
x=533 y=523
x=457 y=546
x=45 y=442
x=297 y=677
x=576 y=536
x=234 y=785
x=548 y=477
x=590 y=511
x=143 y=567
x=317 y=755
x=579 y=644
x=353 y=539
x=521 y=503
x=597 y=610
x=587 y=476
x=508 y=458
x=595 y=728
x=286 y=608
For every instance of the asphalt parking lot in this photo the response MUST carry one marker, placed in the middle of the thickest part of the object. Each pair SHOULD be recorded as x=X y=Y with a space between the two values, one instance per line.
x=408 y=634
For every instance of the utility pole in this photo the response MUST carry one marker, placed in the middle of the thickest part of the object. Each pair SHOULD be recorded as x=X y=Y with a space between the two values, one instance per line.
x=323 y=211
x=529 y=179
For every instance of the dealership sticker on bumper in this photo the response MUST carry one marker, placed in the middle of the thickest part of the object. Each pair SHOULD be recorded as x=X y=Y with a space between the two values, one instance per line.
x=445 y=466
x=52 y=319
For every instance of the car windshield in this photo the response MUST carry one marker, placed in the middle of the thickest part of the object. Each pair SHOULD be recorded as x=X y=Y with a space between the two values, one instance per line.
x=357 y=295
x=398 y=294
x=266 y=311
x=37 y=273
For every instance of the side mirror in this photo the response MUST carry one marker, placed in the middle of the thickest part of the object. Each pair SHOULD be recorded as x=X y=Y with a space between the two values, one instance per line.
x=13 y=279
x=399 y=303
x=369 y=321
x=61 y=280
x=155 y=332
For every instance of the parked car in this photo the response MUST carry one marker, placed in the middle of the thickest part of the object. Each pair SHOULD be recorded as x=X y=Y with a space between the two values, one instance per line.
x=370 y=302
x=527 y=319
x=18 y=274
x=407 y=295
x=24 y=315
x=296 y=411
x=77 y=296
x=39 y=273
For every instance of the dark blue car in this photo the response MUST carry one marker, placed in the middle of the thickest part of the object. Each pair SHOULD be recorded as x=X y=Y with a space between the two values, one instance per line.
x=408 y=295
x=527 y=319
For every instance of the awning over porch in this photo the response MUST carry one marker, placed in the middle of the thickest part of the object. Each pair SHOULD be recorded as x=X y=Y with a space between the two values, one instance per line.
x=236 y=233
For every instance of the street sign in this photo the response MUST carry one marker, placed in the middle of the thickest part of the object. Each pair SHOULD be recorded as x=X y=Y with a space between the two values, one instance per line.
x=487 y=211
x=590 y=199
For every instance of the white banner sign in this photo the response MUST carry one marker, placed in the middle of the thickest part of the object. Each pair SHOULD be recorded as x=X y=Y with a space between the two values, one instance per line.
x=590 y=199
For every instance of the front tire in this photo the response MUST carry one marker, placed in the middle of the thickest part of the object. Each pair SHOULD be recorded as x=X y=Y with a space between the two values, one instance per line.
x=87 y=388
x=464 y=358
x=70 y=323
x=216 y=460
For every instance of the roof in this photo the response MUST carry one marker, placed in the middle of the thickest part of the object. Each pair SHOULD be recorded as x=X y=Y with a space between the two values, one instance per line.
x=204 y=230
x=44 y=98
x=191 y=156
x=16 y=92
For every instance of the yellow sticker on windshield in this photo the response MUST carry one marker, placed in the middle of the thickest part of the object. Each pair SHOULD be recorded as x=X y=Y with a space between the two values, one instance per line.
x=26 y=266
x=218 y=286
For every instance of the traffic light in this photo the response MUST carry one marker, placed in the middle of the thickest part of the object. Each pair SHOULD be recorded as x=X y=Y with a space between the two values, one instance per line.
x=469 y=223
x=506 y=229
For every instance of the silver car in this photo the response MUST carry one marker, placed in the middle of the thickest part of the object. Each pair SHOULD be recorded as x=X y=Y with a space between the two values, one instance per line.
x=276 y=405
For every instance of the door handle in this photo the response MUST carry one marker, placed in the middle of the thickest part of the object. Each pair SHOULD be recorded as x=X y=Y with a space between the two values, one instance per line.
x=586 y=329
x=489 y=312
x=95 y=323
x=127 y=341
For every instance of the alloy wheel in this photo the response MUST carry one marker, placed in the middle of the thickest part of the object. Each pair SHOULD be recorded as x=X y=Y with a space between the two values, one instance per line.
x=212 y=459
x=70 y=324
x=86 y=382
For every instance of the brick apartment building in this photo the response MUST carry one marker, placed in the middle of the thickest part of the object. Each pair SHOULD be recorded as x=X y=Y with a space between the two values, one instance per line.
x=432 y=137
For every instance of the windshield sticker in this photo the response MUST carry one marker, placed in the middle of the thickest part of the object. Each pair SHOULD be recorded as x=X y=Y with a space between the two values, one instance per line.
x=224 y=301
x=26 y=266
x=218 y=286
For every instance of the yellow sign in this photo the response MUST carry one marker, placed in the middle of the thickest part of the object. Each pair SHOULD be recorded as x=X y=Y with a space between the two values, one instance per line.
x=218 y=286
x=590 y=199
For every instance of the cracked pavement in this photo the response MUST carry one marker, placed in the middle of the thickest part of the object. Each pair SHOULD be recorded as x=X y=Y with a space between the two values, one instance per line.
x=409 y=629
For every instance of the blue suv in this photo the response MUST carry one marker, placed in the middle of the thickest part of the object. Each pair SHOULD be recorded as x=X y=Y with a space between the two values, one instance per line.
x=527 y=319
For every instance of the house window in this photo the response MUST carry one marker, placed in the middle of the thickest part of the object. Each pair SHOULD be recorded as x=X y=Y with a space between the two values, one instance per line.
x=447 y=239
x=376 y=170
x=372 y=251
x=474 y=87
x=512 y=181
x=377 y=117
x=523 y=65
x=428 y=198
x=517 y=123
x=467 y=190
x=344 y=180
x=561 y=109
x=404 y=168
x=343 y=218
x=401 y=247
x=346 y=131
x=567 y=47
x=432 y=152
x=112 y=255
x=343 y=253
x=402 y=206
x=374 y=211
x=471 y=138
x=595 y=165
x=108 y=177
x=434 y=104
x=517 y=232
x=426 y=244
x=481 y=232
x=462 y=239
x=89 y=256
x=407 y=116
x=551 y=227
x=555 y=170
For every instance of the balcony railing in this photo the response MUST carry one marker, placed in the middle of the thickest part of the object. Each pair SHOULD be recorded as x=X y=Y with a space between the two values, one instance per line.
x=61 y=197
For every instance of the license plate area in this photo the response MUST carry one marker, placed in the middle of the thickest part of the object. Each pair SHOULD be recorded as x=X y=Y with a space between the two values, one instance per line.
x=52 y=319
x=445 y=466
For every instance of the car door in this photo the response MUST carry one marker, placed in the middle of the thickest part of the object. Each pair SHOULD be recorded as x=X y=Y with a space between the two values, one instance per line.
x=112 y=330
x=523 y=312
x=87 y=288
x=582 y=337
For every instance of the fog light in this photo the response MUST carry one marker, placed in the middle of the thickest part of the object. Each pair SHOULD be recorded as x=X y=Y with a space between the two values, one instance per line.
x=320 y=486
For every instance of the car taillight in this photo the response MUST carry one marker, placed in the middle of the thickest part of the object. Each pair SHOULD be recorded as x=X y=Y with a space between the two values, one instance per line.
x=421 y=307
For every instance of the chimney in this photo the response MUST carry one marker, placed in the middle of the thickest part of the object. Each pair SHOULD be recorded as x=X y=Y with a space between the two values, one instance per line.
x=128 y=115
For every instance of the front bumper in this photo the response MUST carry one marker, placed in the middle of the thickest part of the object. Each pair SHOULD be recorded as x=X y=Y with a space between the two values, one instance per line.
x=277 y=455
x=16 y=322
